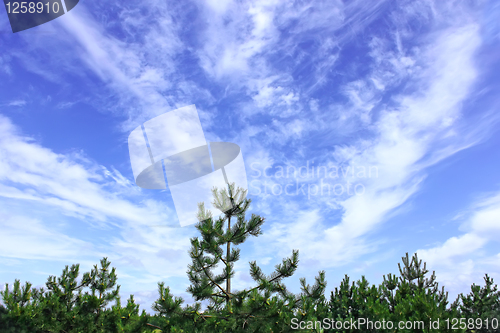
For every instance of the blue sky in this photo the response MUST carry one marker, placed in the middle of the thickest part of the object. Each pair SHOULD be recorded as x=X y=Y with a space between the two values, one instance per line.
x=407 y=88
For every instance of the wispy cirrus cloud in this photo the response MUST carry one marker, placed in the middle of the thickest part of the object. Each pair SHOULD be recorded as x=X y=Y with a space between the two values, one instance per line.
x=47 y=196
x=29 y=238
x=71 y=183
x=18 y=102
x=406 y=138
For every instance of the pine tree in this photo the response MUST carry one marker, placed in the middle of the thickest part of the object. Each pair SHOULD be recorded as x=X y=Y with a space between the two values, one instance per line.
x=65 y=307
x=267 y=306
x=416 y=296
x=15 y=316
x=354 y=301
x=412 y=296
x=215 y=246
x=482 y=305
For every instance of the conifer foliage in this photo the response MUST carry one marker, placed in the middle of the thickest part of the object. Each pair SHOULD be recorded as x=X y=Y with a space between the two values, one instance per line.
x=69 y=305
x=482 y=305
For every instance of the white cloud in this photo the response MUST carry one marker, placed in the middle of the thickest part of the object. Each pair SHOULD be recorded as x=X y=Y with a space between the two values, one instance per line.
x=17 y=103
x=485 y=220
x=219 y=6
x=464 y=259
x=4 y=65
x=28 y=238
x=455 y=246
